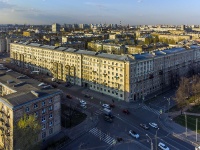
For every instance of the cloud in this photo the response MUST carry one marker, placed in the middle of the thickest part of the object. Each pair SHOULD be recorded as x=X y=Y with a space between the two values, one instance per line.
x=101 y=6
x=5 y=5
x=139 y=1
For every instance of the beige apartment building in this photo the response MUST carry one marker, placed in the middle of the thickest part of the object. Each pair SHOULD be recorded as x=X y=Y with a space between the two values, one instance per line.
x=124 y=77
x=21 y=95
x=176 y=38
x=107 y=47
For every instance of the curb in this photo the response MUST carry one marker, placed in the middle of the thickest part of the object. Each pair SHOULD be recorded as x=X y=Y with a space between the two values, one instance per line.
x=176 y=135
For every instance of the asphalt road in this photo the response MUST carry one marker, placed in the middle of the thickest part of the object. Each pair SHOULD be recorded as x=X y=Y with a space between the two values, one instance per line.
x=122 y=124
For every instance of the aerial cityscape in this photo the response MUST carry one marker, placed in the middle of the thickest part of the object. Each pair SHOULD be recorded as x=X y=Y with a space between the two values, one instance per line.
x=99 y=75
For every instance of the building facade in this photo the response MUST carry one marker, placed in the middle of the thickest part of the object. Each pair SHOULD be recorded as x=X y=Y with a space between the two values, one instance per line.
x=21 y=95
x=124 y=77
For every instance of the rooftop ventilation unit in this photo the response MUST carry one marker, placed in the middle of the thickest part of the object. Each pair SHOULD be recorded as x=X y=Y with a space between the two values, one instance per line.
x=35 y=93
x=19 y=84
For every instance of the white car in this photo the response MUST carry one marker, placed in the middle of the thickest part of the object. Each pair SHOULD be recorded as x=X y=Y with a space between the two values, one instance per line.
x=106 y=106
x=154 y=125
x=134 y=134
x=83 y=102
x=163 y=146
x=83 y=106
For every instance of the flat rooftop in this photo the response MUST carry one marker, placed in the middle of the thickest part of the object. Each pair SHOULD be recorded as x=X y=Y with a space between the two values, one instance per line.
x=23 y=87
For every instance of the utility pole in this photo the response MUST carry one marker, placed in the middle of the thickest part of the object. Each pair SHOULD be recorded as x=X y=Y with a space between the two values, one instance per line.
x=156 y=138
x=151 y=141
x=196 y=129
x=185 y=125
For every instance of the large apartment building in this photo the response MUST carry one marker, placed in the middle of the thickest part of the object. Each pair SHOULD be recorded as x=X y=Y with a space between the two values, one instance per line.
x=21 y=95
x=124 y=77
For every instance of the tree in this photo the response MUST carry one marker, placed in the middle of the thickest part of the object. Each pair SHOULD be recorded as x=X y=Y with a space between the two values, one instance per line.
x=183 y=93
x=26 y=132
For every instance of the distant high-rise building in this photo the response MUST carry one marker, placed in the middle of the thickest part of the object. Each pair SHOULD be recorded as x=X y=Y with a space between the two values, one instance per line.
x=55 y=27
x=81 y=26
x=182 y=27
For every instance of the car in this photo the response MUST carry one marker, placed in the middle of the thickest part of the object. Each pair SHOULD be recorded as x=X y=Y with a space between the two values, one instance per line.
x=83 y=102
x=112 y=105
x=83 y=106
x=108 y=119
x=154 y=125
x=106 y=106
x=109 y=115
x=69 y=96
x=87 y=96
x=144 y=126
x=162 y=146
x=126 y=111
x=134 y=134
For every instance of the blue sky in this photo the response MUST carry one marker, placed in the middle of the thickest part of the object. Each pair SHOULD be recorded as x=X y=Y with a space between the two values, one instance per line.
x=131 y=12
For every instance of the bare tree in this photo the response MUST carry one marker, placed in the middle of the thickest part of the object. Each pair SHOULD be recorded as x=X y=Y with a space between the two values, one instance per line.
x=183 y=93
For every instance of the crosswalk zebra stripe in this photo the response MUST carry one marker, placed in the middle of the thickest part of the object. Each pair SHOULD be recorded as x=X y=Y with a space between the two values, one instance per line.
x=151 y=109
x=104 y=137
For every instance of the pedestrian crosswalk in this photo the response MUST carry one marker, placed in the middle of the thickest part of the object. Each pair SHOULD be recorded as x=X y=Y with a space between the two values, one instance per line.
x=102 y=136
x=98 y=112
x=151 y=109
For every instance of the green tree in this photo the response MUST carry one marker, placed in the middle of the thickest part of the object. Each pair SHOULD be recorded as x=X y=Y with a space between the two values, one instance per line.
x=26 y=132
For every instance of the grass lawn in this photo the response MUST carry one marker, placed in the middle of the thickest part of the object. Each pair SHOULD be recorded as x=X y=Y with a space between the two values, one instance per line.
x=191 y=121
x=71 y=117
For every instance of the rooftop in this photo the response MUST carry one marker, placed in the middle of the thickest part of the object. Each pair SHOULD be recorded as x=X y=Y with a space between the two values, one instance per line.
x=24 y=89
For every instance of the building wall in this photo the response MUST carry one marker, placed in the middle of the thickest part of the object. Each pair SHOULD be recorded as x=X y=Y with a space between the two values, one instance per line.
x=47 y=112
x=6 y=125
x=2 y=45
x=123 y=80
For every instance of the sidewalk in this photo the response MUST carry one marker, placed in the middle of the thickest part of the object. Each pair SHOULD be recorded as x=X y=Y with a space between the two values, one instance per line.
x=178 y=131
x=102 y=98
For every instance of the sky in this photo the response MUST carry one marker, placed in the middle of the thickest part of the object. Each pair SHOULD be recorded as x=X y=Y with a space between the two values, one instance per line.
x=132 y=12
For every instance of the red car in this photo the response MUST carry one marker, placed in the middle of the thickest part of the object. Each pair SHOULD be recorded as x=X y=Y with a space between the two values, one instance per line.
x=112 y=105
x=126 y=111
x=69 y=96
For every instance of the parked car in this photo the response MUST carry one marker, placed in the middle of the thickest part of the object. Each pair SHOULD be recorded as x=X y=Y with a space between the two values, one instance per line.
x=154 y=125
x=108 y=119
x=83 y=106
x=126 y=111
x=134 y=134
x=106 y=106
x=83 y=102
x=87 y=96
x=69 y=96
x=162 y=146
x=144 y=126
x=112 y=105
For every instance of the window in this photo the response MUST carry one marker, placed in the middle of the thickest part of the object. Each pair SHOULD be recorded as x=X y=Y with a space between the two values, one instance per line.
x=43 y=111
x=27 y=109
x=50 y=123
x=51 y=131
x=50 y=108
x=50 y=115
x=43 y=135
x=43 y=126
x=43 y=118
x=36 y=114
x=43 y=103
x=35 y=105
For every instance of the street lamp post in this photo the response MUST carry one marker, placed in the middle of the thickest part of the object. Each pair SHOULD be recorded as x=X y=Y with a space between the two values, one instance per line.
x=151 y=141
x=156 y=137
